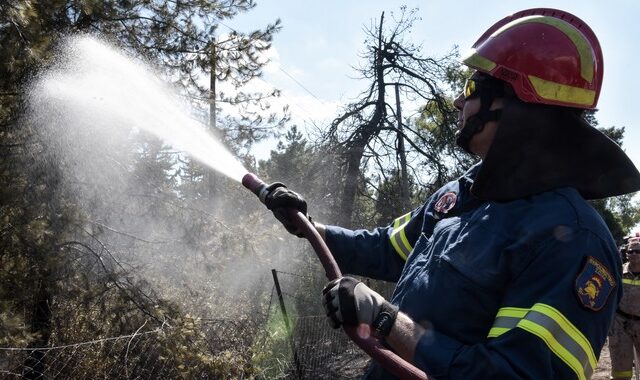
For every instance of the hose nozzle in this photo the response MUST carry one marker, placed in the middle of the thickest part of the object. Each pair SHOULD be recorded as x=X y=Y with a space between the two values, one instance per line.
x=256 y=185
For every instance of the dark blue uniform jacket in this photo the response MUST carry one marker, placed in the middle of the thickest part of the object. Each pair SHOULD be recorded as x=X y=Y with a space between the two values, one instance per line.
x=521 y=289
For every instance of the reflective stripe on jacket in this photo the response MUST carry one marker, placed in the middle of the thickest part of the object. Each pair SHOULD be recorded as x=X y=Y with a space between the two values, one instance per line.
x=504 y=288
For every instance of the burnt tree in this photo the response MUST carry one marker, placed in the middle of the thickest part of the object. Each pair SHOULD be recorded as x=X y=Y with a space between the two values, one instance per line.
x=371 y=133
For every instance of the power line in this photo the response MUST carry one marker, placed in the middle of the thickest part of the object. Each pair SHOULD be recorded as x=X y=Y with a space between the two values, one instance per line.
x=280 y=68
x=292 y=102
x=300 y=84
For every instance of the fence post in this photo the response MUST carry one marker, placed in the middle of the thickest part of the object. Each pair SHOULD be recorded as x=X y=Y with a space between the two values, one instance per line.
x=286 y=323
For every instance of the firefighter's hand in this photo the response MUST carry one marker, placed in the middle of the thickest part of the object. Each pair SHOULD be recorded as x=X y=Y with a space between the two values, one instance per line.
x=349 y=302
x=279 y=199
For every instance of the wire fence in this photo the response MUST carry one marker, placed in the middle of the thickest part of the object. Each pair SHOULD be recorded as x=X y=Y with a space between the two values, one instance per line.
x=257 y=347
x=130 y=356
x=326 y=353
x=142 y=355
x=322 y=352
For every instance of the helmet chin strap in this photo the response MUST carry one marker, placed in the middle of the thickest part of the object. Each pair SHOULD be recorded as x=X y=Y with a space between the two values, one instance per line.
x=475 y=124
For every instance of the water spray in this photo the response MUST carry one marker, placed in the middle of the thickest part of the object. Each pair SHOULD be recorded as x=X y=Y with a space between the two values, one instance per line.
x=98 y=89
x=372 y=346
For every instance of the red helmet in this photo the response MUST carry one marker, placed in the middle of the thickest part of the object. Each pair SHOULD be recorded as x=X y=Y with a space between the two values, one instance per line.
x=548 y=56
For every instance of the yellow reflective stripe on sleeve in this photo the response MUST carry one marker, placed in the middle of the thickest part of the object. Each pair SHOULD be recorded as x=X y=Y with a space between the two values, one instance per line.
x=555 y=346
x=497 y=331
x=516 y=312
x=630 y=281
x=560 y=335
x=569 y=329
x=561 y=92
x=506 y=319
x=399 y=238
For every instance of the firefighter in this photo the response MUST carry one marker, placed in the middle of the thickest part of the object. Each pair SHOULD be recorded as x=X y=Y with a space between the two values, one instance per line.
x=624 y=335
x=623 y=250
x=506 y=272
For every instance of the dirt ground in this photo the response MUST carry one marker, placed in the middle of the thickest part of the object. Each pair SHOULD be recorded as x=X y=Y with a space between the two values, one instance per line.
x=604 y=365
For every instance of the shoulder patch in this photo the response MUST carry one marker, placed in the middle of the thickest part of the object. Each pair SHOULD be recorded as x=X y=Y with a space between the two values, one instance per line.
x=594 y=284
x=446 y=202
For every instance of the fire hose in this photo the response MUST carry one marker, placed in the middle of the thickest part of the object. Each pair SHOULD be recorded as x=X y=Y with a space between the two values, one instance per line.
x=389 y=360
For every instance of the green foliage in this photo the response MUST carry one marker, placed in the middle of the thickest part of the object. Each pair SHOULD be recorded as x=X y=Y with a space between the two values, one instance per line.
x=311 y=170
x=185 y=347
x=272 y=355
x=621 y=213
x=388 y=203
x=74 y=248
x=291 y=160
x=178 y=36
x=365 y=205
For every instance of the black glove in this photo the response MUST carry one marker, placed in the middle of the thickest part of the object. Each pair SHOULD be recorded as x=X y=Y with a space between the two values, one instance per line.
x=350 y=302
x=279 y=199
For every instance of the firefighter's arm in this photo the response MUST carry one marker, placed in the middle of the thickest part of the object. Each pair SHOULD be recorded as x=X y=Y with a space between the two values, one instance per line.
x=322 y=230
x=404 y=336
x=350 y=302
x=379 y=253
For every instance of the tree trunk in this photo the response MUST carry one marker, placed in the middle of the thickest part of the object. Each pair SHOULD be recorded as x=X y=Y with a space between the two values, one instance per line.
x=356 y=148
x=353 y=158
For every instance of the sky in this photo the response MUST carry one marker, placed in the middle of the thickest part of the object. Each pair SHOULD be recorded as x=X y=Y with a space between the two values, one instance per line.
x=314 y=54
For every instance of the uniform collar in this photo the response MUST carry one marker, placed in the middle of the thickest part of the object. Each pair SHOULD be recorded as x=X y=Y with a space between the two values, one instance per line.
x=470 y=175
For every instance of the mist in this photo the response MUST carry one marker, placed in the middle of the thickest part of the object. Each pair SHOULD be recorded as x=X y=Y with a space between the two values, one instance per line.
x=137 y=165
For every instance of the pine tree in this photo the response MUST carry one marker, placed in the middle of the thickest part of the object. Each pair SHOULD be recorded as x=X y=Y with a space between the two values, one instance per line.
x=52 y=243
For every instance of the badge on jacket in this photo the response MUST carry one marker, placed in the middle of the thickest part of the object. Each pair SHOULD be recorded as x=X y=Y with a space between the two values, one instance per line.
x=446 y=202
x=594 y=284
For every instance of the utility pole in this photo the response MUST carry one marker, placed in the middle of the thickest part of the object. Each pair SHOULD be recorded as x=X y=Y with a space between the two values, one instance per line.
x=210 y=175
x=212 y=91
x=404 y=178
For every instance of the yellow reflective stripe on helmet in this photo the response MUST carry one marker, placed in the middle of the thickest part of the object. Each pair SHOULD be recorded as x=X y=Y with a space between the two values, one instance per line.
x=621 y=374
x=547 y=323
x=398 y=237
x=473 y=59
x=630 y=281
x=561 y=92
x=579 y=40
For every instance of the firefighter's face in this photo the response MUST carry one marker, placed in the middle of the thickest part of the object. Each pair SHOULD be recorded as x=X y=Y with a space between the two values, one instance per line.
x=633 y=253
x=480 y=142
